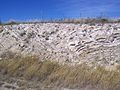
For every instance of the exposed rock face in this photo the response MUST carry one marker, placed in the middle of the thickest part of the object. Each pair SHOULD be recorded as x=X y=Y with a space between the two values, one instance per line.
x=71 y=43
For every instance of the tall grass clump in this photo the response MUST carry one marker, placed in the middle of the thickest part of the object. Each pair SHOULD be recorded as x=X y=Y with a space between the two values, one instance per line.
x=51 y=73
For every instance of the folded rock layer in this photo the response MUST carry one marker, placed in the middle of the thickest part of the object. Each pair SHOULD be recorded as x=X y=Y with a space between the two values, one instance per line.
x=66 y=43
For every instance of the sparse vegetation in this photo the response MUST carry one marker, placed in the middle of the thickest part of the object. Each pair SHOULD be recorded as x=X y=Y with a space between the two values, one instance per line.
x=88 y=20
x=52 y=73
x=0 y=22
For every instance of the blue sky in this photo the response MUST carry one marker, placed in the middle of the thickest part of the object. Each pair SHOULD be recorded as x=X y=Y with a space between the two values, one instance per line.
x=36 y=9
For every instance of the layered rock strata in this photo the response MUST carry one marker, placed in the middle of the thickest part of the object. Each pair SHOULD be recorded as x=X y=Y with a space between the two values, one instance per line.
x=66 y=43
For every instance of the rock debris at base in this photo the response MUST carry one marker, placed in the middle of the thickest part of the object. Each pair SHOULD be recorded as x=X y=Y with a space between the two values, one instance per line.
x=66 y=43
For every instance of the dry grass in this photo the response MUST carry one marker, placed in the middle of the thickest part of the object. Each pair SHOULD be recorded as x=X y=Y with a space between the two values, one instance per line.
x=52 y=73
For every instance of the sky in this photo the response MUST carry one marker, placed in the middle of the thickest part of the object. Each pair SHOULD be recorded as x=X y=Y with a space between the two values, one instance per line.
x=51 y=9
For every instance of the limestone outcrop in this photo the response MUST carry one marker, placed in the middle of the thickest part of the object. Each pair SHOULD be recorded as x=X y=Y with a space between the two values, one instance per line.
x=66 y=43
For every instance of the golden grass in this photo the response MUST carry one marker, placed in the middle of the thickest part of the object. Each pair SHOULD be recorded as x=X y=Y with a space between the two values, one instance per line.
x=52 y=73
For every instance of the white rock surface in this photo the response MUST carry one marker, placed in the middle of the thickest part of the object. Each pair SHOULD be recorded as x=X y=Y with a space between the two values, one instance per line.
x=70 y=43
